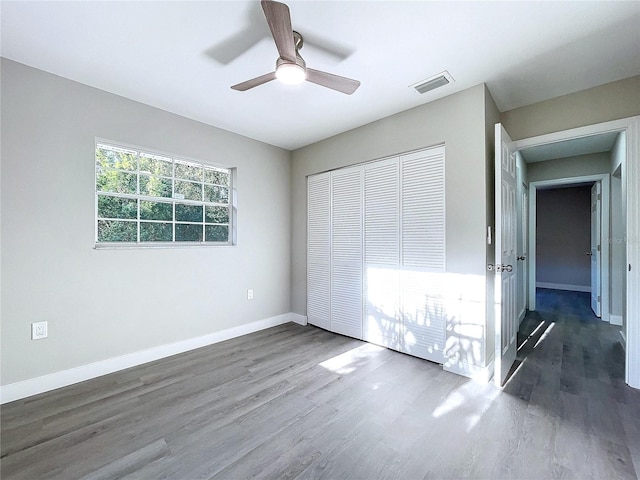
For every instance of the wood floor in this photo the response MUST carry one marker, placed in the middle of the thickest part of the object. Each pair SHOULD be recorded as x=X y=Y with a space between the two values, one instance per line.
x=297 y=402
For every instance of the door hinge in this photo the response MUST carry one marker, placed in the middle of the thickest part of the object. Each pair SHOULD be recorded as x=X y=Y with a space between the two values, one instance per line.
x=599 y=197
x=598 y=247
x=599 y=298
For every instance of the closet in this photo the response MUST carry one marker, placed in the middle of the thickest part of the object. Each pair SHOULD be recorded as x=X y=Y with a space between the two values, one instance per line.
x=376 y=252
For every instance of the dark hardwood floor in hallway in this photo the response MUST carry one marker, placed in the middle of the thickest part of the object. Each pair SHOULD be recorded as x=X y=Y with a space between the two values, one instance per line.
x=302 y=403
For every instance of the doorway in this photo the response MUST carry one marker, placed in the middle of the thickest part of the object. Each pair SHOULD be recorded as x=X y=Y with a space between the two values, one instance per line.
x=582 y=276
x=563 y=241
x=629 y=130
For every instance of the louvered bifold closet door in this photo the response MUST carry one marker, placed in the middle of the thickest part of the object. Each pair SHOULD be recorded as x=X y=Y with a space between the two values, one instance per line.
x=423 y=254
x=381 y=253
x=319 y=250
x=346 y=252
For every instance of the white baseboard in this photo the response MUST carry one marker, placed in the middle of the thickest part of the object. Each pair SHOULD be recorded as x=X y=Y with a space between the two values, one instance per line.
x=564 y=286
x=479 y=374
x=521 y=316
x=33 y=386
x=299 y=319
x=615 y=320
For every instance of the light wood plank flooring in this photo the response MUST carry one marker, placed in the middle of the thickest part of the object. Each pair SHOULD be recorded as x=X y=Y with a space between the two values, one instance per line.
x=297 y=402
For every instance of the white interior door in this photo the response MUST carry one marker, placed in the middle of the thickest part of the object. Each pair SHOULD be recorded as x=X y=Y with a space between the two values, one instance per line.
x=382 y=253
x=422 y=231
x=595 y=252
x=505 y=288
x=346 y=252
x=319 y=250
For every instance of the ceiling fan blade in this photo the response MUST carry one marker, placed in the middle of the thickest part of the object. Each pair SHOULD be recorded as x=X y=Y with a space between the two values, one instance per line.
x=335 y=82
x=279 y=21
x=254 y=82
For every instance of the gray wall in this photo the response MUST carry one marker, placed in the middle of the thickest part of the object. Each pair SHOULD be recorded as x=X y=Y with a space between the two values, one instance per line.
x=105 y=303
x=580 y=165
x=563 y=236
x=458 y=121
x=607 y=102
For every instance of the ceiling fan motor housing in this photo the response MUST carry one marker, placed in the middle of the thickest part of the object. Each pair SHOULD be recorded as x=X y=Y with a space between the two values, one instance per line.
x=299 y=62
x=299 y=42
x=292 y=72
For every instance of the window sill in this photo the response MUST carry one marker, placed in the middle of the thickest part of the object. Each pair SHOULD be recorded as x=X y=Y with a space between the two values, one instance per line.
x=157 y=245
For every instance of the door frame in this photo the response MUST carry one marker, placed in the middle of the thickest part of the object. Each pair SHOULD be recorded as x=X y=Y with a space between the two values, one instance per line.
x=631 y=204
x=604 y=180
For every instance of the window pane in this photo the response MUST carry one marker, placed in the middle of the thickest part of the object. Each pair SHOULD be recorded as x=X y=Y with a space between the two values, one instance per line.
x=188 y=233
x=191 y=191
x=114 y=207
x=155 y=186
x=116 y=158
x=156 y=165
x=189 y=171
x=216 y=194
x=217 y=214
x=156 y=232
x=216 y=233
x=115 y=181
x=188 y=213
x=117 y=231
x=217 y=176
x=156 y=211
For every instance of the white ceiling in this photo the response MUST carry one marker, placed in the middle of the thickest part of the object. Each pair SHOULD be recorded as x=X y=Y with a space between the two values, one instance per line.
x=184 y=56
x=600 y=143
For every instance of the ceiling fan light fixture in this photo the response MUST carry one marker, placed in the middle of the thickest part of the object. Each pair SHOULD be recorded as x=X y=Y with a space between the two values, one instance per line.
x=291 y=73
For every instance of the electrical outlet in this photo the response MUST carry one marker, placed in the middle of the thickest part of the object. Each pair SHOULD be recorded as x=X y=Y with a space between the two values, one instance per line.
x=39 y=330
x=250 y=294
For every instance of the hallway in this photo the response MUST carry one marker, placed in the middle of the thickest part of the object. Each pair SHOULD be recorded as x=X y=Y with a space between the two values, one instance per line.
x=570 y=370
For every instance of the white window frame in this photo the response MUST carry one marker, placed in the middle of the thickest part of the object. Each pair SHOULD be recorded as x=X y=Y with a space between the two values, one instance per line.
x=173 y=200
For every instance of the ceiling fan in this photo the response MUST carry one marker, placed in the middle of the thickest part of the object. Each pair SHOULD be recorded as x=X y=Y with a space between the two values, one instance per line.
x=290 y=67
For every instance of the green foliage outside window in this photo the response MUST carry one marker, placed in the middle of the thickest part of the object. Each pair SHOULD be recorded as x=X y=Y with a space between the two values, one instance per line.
x=142 y=197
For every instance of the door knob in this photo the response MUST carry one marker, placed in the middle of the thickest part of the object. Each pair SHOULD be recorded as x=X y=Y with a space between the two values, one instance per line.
x=522 y=257
x=500 y=268
x=590 y=253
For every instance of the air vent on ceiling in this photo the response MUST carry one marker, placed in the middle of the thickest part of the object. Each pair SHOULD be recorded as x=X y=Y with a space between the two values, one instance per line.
x=434 y=82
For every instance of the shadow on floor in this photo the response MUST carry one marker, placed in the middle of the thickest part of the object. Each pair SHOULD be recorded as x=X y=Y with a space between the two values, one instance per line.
x=570 y=372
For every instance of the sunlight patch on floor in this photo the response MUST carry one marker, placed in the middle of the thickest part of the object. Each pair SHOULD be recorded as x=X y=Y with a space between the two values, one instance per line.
x=470 y=401
x=544 y=335
x=348 y=362
x=531 y=335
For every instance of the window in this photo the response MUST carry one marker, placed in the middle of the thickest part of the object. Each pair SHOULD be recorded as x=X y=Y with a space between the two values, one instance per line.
x=145 y=198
